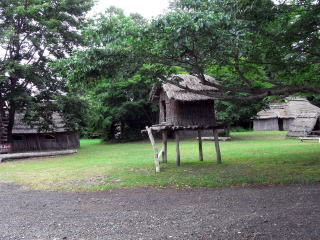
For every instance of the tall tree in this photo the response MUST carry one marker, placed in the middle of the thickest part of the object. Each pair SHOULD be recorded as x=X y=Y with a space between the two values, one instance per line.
x=271 y=49
x=114 y=76
x=32 y=34
x=123 y=108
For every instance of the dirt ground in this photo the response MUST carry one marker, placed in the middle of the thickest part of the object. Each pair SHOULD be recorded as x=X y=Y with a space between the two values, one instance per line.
x=265 y=212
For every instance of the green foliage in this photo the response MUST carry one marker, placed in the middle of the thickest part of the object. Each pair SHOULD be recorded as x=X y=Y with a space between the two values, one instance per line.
x=256 y=41
x=32 y=34
x=75 y=111
x=110 y=52
x=255 y=49
x=117 y=83
x=231 y=113
x=123 y=108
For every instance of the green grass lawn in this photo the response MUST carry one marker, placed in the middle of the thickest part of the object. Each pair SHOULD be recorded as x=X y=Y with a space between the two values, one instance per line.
x=251 y=158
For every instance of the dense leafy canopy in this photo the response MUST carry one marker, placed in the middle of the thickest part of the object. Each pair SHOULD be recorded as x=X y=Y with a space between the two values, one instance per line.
x=269 y=49
x=254 y=49
x=32 y=34
x=122 y=108
x=117 y=83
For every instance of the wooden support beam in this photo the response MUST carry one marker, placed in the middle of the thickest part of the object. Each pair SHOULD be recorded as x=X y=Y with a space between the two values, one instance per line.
x=176 y=134
x=155 y=150
x=216 y=140
x=200 y=146
x=164 y=146
x=216 y=143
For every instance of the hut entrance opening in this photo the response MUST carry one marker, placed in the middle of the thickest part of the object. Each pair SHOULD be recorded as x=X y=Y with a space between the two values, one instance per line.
x=164 y=110
x=280 y=124
x=316 y=129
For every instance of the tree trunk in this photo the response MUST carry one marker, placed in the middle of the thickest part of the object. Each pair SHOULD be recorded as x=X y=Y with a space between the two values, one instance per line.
x=1 y=126
x=1 y=115
x=12 y=112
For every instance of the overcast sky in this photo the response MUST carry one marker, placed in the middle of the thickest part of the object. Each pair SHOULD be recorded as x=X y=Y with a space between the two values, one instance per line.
x=147 y=8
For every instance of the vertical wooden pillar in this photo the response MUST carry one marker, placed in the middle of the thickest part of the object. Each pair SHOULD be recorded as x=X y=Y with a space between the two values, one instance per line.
x=200 y=146
x=216 y=142
x=155 y=149
x=38 y=143
x=176 y=134
x=164 y=146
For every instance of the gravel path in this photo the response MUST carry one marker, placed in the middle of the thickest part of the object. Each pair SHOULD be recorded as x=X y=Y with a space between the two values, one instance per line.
x=275 y=212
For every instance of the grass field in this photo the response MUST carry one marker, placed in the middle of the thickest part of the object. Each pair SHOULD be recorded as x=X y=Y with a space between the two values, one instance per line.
x=251 y=158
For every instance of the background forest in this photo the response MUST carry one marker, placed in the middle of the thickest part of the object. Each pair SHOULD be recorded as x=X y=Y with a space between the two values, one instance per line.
x=98 y=72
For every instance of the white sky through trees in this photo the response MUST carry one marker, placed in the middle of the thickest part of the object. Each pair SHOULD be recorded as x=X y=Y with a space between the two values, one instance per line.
x=147 y=8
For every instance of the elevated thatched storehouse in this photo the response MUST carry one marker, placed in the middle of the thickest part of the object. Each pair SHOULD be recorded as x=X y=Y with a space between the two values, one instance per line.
x=179 y=107
x=182 y=111
x=296 y=115
x=26 y=138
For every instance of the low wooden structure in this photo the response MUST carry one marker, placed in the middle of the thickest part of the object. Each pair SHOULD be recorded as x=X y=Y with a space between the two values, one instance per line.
x=221 y=139
x=310 y=138
x=296 y=115
x=26 y=138
x=181 y=110
x=14 y=156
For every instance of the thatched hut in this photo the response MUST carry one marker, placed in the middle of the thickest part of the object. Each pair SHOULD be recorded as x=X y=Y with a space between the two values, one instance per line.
x=296 y=115
x=182 y=111
x=26 y=138
x=179 y=107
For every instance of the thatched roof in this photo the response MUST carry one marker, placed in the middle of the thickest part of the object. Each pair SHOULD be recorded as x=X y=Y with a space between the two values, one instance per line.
x=291 y=108
x=303 y=124
x=176 y=93
x=21 y=128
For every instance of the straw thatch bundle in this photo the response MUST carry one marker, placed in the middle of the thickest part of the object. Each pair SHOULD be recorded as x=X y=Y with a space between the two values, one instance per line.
x=176 y=93
x=303 y=124
x=22 y=128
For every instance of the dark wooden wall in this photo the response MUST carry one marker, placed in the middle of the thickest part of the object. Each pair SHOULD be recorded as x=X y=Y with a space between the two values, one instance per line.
x=186 y=113
x=44 y=142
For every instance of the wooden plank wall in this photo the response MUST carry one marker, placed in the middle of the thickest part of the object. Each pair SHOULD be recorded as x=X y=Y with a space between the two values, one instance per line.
x=39 y=142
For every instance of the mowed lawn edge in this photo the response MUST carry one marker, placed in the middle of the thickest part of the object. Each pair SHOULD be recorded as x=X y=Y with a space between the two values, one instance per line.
x=250 y=158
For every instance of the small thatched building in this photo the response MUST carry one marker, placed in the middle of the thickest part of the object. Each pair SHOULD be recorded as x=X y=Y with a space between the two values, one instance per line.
x=183 y=112
x=296 y=115
x=179 y=107
x=26 y=138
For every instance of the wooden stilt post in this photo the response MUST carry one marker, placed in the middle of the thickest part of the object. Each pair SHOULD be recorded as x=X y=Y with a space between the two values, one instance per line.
x=216 y=142
x=200 y=146
x=164 y=146
x=176 y=134
x=155 y=150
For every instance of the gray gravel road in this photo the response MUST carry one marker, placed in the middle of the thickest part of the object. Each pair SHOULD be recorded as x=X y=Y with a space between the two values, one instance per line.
x=274 y=212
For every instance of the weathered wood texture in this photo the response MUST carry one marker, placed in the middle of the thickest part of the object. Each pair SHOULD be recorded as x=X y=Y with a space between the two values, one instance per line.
x=177 y=140
x=185 y=113
x=223 y=139
x=3 y=127
x=155 y=149
x=309 y=138
x=217 y=146
x=42 y=142
x=35 y=154
x=200 y=146
x=164 y=146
